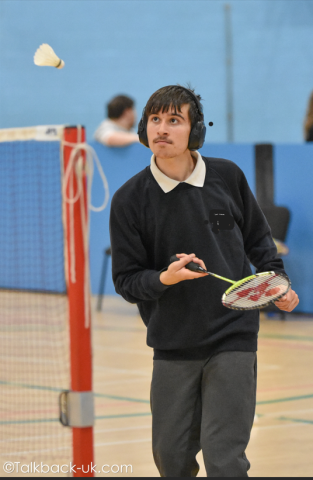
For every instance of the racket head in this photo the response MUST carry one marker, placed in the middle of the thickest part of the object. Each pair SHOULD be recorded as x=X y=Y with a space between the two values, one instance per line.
x=256 y=291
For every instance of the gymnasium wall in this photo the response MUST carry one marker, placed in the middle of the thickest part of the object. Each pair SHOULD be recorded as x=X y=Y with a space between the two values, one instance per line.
x=137 y=46
x=293 y=173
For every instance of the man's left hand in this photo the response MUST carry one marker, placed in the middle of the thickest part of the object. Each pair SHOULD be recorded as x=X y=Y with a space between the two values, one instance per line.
x=288 y=302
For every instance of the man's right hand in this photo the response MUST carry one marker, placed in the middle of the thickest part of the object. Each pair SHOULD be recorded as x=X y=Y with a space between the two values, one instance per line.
x=177 y=272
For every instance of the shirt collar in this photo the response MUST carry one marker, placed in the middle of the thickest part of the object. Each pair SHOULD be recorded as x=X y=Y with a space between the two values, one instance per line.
x=167 y=184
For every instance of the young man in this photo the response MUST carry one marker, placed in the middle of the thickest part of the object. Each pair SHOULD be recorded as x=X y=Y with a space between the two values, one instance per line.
x=204 y=375
x=117 y=129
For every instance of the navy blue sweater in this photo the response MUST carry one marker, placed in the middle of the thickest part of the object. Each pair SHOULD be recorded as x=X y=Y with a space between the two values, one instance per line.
x=147 y=226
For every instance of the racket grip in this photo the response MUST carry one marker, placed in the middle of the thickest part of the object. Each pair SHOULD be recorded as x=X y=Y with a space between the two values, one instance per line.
x=194 y=267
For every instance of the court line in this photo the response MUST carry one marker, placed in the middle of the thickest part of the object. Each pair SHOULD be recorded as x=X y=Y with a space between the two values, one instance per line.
x=36 y=420
x=36 y=437
x=32 y=387
x=122 y=429
x=263 y=402
x=116 y=397
x=299 y=422
x=16 y=359
x=293 y=387
x=141 y=440
x=122 y=415
x=309 y=422
x=49 y=420
x=123 y=442
x=7 y=454
x=69 y=433
x=122 y=370
x=18 y=412
x=300 y=338
x=124 y=350
x=121 y=329
x=119 y=382
x=108 y=430
x=269 y=427
x=284 y=412
x=127 y=415
x=33 y=341
x=295 y=346
x=287 y=399
x=143 y=427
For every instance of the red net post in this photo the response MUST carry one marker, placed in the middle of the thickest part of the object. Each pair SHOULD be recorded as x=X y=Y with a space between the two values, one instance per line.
x=80 y=326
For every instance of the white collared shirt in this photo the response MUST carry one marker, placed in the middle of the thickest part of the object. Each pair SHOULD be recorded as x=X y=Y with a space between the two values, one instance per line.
x=106 y=128
x=167 y=184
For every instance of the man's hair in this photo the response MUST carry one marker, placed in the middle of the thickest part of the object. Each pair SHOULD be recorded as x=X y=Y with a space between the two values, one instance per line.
x=117 y=106
x=174 y=96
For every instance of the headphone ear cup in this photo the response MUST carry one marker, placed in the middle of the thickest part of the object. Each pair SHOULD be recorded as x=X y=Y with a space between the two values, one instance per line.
x=197 y=136
x=202 y=135
x=142 y=132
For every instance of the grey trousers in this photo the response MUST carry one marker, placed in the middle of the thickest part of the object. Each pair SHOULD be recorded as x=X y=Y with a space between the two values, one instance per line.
x=203 y=404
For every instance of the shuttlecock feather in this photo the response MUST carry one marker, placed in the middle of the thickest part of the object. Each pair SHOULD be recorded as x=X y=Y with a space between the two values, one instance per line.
x=45 y=56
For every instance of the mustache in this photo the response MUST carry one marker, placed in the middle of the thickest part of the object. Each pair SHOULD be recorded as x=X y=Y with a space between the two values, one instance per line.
x=162 y=139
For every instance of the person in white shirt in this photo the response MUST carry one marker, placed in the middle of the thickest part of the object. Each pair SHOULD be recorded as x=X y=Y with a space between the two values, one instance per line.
x=118 y=129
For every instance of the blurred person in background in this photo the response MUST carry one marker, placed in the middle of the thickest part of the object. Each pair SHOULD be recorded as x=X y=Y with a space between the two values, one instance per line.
x=117 y=130
x=308 y=123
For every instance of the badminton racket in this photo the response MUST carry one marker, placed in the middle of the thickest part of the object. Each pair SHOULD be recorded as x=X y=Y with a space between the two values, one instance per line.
x=249 y=293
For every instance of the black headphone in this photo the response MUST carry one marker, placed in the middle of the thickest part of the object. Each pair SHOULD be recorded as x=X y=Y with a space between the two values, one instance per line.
x=197 y=134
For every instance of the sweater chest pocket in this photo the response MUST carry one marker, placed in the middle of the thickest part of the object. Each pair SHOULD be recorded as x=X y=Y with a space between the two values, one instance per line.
x=216 y=210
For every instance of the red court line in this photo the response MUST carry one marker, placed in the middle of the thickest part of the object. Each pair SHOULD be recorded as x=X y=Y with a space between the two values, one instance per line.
x=25 y=412
x=18 y=413
x=113 y=404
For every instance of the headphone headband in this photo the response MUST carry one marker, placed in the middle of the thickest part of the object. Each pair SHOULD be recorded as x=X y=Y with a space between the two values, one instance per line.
x=194 y=96
x=197 y=134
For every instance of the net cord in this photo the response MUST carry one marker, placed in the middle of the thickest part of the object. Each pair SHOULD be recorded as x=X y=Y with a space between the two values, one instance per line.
x=76 y=167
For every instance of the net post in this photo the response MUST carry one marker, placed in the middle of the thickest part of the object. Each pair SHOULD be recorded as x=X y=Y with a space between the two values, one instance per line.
x=79 y=325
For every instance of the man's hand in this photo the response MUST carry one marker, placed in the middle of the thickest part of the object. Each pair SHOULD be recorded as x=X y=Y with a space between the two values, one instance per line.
x=288 y=302
x=177 y=272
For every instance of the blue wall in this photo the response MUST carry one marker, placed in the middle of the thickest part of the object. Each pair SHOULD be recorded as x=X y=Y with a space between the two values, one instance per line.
x=137 y=46
x=31 y=231
x=293 y=189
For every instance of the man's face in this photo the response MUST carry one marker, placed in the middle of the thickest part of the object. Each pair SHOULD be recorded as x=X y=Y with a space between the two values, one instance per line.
x=168 y=132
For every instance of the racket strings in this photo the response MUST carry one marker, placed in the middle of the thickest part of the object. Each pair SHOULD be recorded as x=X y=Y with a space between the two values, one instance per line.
x=256 y=292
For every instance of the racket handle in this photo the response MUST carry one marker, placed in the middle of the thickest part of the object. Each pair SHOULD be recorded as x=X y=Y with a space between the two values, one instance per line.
x=194 y=267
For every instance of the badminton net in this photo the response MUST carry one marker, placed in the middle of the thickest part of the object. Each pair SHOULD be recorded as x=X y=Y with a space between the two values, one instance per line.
x=34 y=330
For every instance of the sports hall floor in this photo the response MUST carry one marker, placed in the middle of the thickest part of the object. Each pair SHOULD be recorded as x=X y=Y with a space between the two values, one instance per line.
x=281 y=444
x=282 y=437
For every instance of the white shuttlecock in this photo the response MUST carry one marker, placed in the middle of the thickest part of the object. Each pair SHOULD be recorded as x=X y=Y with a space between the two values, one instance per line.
x=45 y=56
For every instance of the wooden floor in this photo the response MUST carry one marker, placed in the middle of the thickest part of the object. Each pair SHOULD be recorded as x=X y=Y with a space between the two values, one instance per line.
x=282 y=437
